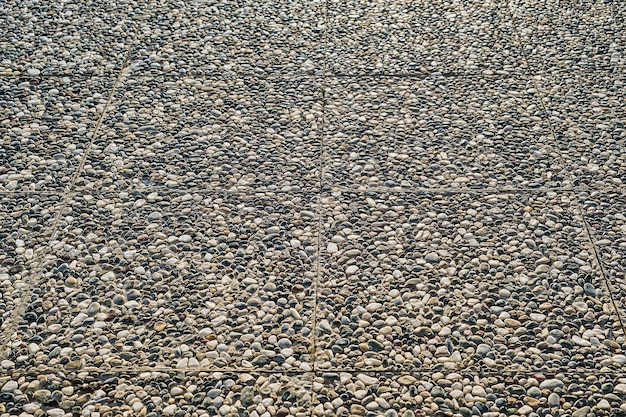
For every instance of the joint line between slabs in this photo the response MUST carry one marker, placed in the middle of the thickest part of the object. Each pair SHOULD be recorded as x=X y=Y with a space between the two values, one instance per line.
x=100 y=120
x=172 y=370
x=32 y=192
x=35 y=273
x=422 y=371
x=485 y=373
x=430 y=191
x=319 y=197
x=395 y=372
x=598 y=259
x=329 y=189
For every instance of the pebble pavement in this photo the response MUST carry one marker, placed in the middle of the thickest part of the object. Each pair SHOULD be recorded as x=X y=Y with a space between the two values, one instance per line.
x=290 y=208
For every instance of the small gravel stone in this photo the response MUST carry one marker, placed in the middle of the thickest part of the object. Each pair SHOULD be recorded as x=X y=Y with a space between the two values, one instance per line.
x=554 y=400
x=551 y=384
x=9 y=386
x=352 y=269
x=367 y=380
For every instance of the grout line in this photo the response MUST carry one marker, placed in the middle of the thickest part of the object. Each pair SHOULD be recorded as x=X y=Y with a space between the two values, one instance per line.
x=32 y=192
x=596 y=254
x=314 y=341
x=507 y=372
x=499 y=74
x=329 y=188
x=473 y=191
x=321 y=372
x=169 y=369
x=319 y=194
x=35 y=273
x=41 y=252
x=576 y=204
x=100 y=121
x=163 y=190
x=53 y=77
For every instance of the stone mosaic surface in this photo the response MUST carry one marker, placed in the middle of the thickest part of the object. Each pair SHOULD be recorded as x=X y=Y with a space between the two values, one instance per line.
x=220 y=132
x=184 y=281
x=196 y=38
x=46 y=126
x=500 y=282
x=438 y=132
x=65 y=37
x=587 y=113
x=290 y=208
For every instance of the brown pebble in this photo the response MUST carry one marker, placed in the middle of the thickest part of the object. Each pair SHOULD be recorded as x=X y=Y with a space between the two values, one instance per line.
x=533 y=402
x=512 y=323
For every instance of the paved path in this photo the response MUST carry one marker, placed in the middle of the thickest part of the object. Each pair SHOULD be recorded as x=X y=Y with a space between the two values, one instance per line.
x=306 y=208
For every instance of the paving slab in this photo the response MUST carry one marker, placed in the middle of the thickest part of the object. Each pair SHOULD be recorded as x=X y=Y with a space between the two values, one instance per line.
x=458 y=281
x=438 y=132
x=605 y=213
x=25 y=230
x=466 y=394
x=568 y=36
x=587 y=112
x=278 y=37
x=407 y=37
x=221 y=132
x=156 y=393
x=46 y=125
x=65 y=38
x=216 y=280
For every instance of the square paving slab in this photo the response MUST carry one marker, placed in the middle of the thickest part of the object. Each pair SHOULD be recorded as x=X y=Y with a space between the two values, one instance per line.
x=587 y=112
x=458 y=281
x=26 y=222
x=278 y=37
x=405 y=37
x=46 y=125
x=228 y=133
x=70 y=37
x=155 y=392
x=438 y=132
x=466 y=394
x=573 y=36
x=216 y=280
x=606 y=214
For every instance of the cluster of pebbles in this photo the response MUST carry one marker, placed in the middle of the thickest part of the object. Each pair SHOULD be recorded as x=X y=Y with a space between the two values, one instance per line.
x=203 y=394
x=24 y=232
x=464 y=395
x=198 y=38
x=606 y=215
x=294 y=208
x=72 y=37
x=46 y=124
x=588 y=113
x=236 y=133
x=182 y=281
x=461 y=282
x=153 y=393
x=488 y=132
x=403 y=37
x=581 y=36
